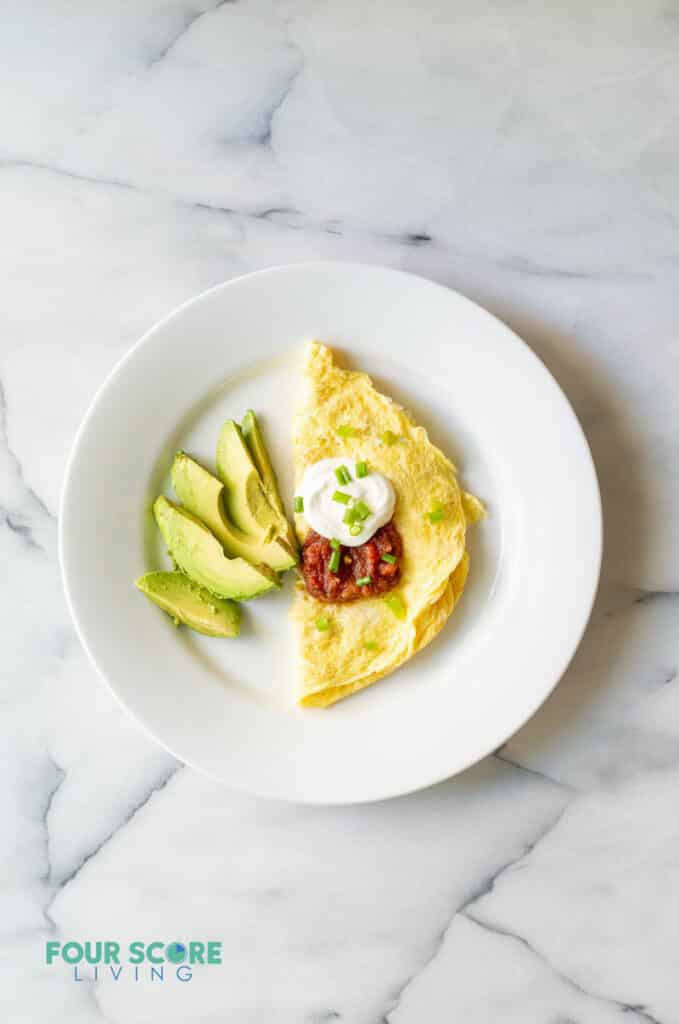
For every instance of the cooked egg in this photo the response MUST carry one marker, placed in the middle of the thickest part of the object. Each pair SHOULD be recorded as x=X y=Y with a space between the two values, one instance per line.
x=345 y=419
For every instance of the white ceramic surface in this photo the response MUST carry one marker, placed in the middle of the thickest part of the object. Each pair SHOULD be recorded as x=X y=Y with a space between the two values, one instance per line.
x=228 y=707
x=526 y=155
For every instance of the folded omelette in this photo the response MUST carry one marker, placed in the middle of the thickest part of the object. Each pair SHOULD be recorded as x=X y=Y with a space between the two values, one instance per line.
x=343 y=416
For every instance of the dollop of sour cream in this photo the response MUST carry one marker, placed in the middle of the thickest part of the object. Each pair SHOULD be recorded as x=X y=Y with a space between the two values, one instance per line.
x=325 y=515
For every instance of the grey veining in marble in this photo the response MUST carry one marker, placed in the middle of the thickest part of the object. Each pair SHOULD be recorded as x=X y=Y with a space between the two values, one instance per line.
x=524 y=153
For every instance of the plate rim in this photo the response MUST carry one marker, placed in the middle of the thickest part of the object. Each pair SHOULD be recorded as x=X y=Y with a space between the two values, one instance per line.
x=272 y=793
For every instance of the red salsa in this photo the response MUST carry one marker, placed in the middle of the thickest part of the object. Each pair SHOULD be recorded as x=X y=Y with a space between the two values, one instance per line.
x=360 y=563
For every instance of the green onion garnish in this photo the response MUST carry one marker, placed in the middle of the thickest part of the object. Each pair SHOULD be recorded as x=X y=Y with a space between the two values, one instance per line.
x=350 y=516
x=343 y=475
x=322 y=623
x=395 y=603
x=355 y=529
x=362 y=511
x=361 y=469
x=341 y=497
x=389 y=437
x=299 y=504
x=391 y=559
x=346 y=431
x=370 y=645
x=364 y=581
x=334 y=563
x=334 y=543
x=437 y=513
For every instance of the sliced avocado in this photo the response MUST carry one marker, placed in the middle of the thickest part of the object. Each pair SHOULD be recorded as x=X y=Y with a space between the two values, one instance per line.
x=200 y=555
x=202 y=495
x=244 y=495
x=252 y=434
x=186 y=602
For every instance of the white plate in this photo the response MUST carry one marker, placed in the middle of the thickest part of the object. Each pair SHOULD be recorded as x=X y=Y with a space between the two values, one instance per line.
x=225 y=706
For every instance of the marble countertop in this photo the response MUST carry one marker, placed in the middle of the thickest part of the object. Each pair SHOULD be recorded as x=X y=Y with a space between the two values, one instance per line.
x=526 y=154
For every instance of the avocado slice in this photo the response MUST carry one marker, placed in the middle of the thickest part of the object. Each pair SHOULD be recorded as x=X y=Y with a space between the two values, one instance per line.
x=244 y=495
x=202 y=495
x=186 y=602
x=254 y=439
x=200 y=555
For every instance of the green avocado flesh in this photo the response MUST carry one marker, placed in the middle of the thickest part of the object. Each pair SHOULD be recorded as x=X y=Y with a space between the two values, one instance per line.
x=186 y=602
x=198 y=553
x=252 y=435
x=202 y=495
x=244 y=496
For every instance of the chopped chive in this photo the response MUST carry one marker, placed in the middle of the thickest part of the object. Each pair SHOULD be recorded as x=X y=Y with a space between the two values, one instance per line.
x=389 y=437
x=346 y=431
x=349 y=516
x=334 y=543
x=355 y=529
x=341 y=497
x=437 y=513
x=361 y=469
x=322 y=623
x=391 y=559
x=364 y=581
x=343 y=475
x=395 y=603
x=362 y=511
x=299 y=504
x=334 y=563
x=370 y=645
